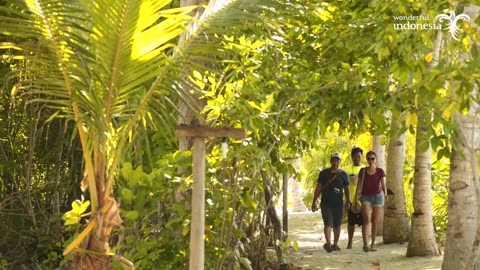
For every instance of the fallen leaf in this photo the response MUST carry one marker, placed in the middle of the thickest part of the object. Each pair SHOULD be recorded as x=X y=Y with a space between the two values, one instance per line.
x=376 y=263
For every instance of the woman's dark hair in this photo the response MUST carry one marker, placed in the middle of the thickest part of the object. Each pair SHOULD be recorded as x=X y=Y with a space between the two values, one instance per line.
x=357 y=150
x=371 y=153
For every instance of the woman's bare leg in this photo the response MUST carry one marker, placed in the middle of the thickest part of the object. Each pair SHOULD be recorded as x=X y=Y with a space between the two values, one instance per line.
x=376 y=211
x=366 y=212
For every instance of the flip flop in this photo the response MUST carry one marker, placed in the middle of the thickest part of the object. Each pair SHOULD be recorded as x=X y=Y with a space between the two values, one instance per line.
x=327 y=247
x=373 y=249
x=335 y=248
x=366 y=249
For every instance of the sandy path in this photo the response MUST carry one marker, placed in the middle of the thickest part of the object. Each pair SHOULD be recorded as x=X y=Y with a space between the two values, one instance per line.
x=307 y=229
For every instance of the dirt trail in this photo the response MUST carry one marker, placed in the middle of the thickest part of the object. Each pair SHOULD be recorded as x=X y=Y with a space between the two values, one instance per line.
x=307 y=229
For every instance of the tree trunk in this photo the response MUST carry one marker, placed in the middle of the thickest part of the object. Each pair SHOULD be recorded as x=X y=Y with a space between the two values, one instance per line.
x=378 y=146
x=97 y=241
x=422 y=237
x=462 y=205
x=463 y=229
x=396 y=223
x=186 y=115
x=272 y=214
x=96 y=235
x=297 y=203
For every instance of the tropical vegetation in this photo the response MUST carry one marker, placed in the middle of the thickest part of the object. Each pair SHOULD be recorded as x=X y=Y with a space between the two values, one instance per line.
x=90 y=167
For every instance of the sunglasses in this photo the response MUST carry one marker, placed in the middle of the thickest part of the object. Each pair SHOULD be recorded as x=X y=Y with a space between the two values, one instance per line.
x=371 y=158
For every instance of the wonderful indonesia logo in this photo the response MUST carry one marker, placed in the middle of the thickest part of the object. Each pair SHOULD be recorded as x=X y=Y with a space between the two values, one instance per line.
x=422 y=22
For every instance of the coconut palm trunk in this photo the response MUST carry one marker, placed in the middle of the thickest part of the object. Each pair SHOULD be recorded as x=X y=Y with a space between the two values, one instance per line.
x=462 y=196
x=396 y=223
x=463 y=230
x=422 y=237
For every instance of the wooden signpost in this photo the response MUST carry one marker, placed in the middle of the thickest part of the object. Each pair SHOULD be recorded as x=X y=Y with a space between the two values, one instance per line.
x=197 y=223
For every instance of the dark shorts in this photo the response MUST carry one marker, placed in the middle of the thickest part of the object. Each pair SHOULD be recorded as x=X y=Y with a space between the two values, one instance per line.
x=332 y=217
x=354 y=219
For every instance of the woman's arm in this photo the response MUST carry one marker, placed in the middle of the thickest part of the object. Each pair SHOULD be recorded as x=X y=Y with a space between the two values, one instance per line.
x=383 y=184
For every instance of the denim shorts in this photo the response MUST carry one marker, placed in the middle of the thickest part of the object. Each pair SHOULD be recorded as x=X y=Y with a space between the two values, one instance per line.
x=374 y=200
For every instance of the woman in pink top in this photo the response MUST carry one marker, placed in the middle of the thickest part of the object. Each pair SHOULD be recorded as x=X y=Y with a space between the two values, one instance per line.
x=371 y=182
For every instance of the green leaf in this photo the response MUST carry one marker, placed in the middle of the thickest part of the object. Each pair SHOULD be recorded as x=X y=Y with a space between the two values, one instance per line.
x=475 y=50
x=75 y=215
x=84 y=207
x=424 y=146
x=185 y=228
x=127 y=194
x=254 y=105
x=246 y=263
x=72 y=219
x=126 y=170
x=131 y=215
x=78 y=207
x=197 y=75
x=443 y=152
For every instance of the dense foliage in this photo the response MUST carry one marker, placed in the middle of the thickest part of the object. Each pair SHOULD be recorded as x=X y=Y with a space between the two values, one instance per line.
x=291 y=79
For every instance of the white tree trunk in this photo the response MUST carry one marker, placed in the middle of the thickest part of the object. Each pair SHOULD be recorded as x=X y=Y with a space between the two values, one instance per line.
x=297 y=192
x=422 y=237
x=396 y=223
x=297 y=203
x=463 y=229
x=462 y=205
x=378 y=146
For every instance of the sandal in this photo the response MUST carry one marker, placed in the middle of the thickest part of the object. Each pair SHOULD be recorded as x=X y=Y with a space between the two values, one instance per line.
x=336 y=248
x=373 y=249
x=366 y=248
x=327 y=247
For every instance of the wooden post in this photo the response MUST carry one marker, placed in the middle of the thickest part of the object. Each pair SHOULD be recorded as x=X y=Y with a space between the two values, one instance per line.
x=197 y=223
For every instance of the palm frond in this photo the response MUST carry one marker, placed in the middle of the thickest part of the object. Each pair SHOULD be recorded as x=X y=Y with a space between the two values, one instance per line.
x=107 y=53
x=112 y=65
x=201 y=47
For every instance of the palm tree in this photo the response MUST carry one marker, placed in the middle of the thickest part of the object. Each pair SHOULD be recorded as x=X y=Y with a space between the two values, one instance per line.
x=463 y=232
x=422 y=236
x=110 y=67
x=462 y=202
x=396 y=224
